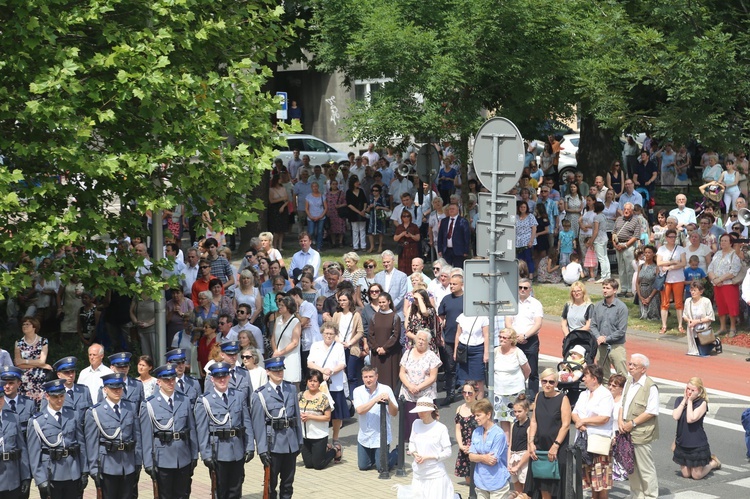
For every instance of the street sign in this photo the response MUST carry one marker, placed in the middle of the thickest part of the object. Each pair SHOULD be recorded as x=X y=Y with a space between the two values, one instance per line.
x=281 y=114
x=428 y=163
x=498 y=144
x=477 y=301
x=504 y=208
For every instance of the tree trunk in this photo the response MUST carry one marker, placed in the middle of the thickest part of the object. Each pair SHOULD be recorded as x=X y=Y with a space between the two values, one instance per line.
x=598 y=148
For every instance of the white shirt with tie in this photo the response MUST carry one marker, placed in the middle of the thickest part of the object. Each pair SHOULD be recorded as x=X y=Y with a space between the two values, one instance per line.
x=449 y=234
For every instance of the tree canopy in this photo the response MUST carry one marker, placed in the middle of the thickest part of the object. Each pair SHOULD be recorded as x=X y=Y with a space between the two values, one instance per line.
x=110 y=108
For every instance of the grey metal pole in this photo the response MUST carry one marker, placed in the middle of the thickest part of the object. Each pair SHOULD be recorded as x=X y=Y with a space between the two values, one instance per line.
x=161 y=318
x=493 y=270
x=384 y=471
x=401 y=434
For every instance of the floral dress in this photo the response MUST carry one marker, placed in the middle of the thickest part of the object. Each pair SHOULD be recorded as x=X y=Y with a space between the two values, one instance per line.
x=416 y=321
x=572 y=216
x=333 y=199
x=467 y=426
x=647 y=275
x=376 y=218
x=32 y=379
x=543 y=276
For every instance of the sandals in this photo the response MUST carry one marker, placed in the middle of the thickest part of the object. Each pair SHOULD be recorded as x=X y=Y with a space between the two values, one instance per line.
x=663 y=330
x=732 y=333
x=721 y=332
x=339 y=452
x=718 y=463
x=718 y=347
x=681 y=330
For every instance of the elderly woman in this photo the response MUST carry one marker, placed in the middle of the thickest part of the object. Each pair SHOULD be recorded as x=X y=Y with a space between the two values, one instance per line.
x=473 y=337
x=251 y=361
x=179 y=314
x=671 y=260
x=351 y=272
x=328 y=357
x=593 y=415
x=671 y=224
x=691 y=449
x=315 y=413
x=723 y=269
x=418 y=374
x=407 y=236
x=206 y=309
x=549 y=429
x=30 y=354
x=429 y=445
x=143 y=315
x=699 y=314
x=576 y=313
x=247 y=292
x=511 y=372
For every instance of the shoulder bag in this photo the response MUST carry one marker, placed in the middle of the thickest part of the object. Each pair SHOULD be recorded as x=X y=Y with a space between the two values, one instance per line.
x=661 y=278
x=623 y=452
x=462 y=350
x=545 y=469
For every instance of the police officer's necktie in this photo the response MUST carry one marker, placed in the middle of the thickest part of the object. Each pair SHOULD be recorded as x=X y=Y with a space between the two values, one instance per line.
x=58 y=416
x=171 y=405
x=278 y=390
x=125 y=390
x=117 y=411
x=224 y=398
x=70 y=393
x=234 y=378
x=13 y=405
x=182 y=385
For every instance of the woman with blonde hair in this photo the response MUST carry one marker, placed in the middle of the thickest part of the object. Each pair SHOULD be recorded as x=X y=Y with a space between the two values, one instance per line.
x=576 y=313
x=248 y=293
x=351 y=272
x=691 y=449
x=511 y=372
x=266 y=244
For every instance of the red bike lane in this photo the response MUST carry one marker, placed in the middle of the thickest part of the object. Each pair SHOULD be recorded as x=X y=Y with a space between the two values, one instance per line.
x=727 y=371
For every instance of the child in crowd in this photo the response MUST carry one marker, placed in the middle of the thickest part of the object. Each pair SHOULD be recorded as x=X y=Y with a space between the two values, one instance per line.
x=573 y=271
x=319 y=301
x=548 y=270
x=590 y=262
x=566 y=243
x=518 y=463
x=693 y=273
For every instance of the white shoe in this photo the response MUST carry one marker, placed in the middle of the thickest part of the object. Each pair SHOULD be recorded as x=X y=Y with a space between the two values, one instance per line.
x=599 y=281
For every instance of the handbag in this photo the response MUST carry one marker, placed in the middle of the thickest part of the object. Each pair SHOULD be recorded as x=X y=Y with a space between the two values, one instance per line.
x=543 y=468
x=706 y=337
x=623 y=452
x=659 y=281
x=599 y=444
x=462 y=353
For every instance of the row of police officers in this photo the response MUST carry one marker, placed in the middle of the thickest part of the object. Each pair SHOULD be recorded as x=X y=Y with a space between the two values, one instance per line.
x=70 y=439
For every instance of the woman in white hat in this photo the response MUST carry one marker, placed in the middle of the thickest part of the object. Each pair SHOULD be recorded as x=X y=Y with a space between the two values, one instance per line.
x=429 y=445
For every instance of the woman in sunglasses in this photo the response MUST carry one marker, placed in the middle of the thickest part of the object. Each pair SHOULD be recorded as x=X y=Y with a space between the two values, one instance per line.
x=362 y=296
x=251 y=361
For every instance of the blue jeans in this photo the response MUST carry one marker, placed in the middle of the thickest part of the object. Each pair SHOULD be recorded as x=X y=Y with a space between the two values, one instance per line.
x=354 y=367
x=369 y=458
x=315 y=229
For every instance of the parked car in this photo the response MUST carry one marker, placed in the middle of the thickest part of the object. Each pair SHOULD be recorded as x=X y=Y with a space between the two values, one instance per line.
x=320 y=152
x=569 y=148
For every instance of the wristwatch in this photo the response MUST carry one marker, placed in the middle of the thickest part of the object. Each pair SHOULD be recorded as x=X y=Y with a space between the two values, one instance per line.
x=633 y=423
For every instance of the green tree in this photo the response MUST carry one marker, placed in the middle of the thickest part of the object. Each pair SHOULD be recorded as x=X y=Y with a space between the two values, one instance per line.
x=111 y=108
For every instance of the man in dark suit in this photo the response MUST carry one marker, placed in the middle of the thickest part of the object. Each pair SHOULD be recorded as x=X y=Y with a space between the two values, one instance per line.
x=454 y=238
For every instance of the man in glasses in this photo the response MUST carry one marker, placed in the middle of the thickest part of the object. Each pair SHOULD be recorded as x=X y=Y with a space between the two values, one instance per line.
x=527 y=324
x=243 y=324
x=626 y=232
x=683 y=214
x=225 y=332
x=639 y=416
x=609 y=323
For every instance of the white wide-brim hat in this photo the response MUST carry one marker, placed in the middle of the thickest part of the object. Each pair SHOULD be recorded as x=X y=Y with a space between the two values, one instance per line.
x=424 y=404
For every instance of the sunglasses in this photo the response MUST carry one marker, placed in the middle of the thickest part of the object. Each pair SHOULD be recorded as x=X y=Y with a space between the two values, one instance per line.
x=374 y=291
x=205 y=266
x=548 y=382
x=523 y=287
x=241 y=312
x=369 y=266
x=246 y=357
x=468 y=393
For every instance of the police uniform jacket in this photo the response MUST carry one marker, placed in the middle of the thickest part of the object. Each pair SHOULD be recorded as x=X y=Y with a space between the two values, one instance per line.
x=239 y=382
x=192 y=388
x=12 y=472
x=113 y=462
x=227 y=449
x=79 y=399
x=133 y=392
x=172 y=452
x=70 y=429
x=25 y=408
x=286 y=440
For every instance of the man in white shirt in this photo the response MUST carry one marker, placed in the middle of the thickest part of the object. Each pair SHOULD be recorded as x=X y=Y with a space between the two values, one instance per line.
x=190 y=271
x=225 y=332
x=145 y=267
x=243 y=324
x=601 y=189
x=178 y=268
x=369 y=399
x=641 y=420
x=398 y=187
x=527 y=324
x=371 y=155
x=91 y=376
x=683 y=214
x=306 y=255
x=407 y=203
x=308 y=320
x=440 y=286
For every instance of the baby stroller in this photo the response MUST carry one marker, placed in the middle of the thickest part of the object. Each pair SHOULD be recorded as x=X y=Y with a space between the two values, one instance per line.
x=584 y=338
x=648 y=203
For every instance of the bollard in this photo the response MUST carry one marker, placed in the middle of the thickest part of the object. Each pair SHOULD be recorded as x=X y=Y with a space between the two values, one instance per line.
x=400 y=471
x=384 y=472
x=573 y=486
x=472 y=485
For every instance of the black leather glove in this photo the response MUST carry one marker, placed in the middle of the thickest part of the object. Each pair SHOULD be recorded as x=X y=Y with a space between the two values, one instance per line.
x=84 y=481
x=209 y=464
x=249 y=455
x=137 y=473
x=265 y=458
x=97 y=480
x=26 y=486
x=44 y=489
x=194 y=465
x=149 y=471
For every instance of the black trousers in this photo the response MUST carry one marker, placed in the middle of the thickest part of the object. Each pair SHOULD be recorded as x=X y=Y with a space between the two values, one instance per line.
x=449 y=367
x=118 y=486
x=229 y=477
x=315 y=453
x=174 y=483
x=12 y=494
x=531 y=349
x=65 y=489
x=283 y=467
x=453 y=259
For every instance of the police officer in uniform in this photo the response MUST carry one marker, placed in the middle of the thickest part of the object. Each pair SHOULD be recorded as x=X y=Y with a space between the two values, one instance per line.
x=170 y=445
x=56 y=446
x=184 y=383
x=133 y=388
x=239 y=378
x=77 y=396
x=21 y=405
x=225 y=432
x=277 y=426
x=15 y=476
x=113 y=441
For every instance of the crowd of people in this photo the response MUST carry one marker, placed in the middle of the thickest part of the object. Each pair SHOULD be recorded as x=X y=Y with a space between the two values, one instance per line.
x=300 y=343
